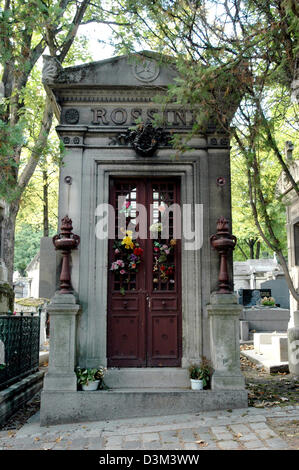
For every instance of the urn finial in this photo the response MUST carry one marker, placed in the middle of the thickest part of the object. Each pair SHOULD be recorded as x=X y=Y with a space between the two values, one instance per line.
x=66 y=241
x=223 y=242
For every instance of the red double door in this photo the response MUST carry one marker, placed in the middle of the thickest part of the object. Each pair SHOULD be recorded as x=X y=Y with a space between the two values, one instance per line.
x=144 y=285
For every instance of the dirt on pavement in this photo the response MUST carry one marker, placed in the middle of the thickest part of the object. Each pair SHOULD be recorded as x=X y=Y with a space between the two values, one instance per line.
x=267 y=390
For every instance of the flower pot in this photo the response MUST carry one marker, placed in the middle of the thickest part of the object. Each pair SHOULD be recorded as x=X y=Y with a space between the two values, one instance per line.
x=91 y=386
x=196 y=384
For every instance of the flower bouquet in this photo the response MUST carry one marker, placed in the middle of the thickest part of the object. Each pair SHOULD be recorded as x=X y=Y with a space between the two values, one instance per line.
x=268 y=301
x=163 y=265
x=127 y=258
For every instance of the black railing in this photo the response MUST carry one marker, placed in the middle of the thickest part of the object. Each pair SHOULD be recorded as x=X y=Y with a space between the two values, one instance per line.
x=20 y=338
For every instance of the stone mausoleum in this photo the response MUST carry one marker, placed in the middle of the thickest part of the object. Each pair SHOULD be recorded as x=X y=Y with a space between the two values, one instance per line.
x=145 y=326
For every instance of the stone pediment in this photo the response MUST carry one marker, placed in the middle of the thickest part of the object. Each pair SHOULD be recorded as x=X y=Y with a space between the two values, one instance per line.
x=138 y=70
x=116 y=92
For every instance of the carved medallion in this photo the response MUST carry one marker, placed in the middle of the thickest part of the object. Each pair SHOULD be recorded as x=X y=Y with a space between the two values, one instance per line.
x=146 y=71
x=71 y=116
x=224 y=141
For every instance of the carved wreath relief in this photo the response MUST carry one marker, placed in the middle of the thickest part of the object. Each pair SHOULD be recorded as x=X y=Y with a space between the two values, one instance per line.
x=145 y=139
x=71 y=116
x=147 y=71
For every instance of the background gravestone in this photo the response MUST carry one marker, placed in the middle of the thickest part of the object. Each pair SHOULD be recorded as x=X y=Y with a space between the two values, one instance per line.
x=280 y=291
x=252 y=297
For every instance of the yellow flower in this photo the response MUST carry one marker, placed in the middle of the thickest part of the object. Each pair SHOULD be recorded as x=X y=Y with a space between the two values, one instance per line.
x=129 y=232
x=127 y=241
x=172 y=242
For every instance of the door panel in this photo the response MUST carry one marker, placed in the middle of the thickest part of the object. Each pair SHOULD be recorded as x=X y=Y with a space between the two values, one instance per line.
x=163 y=340
x=144 y=313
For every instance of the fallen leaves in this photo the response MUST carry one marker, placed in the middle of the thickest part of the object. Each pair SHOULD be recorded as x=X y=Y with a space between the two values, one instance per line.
x=246 y=347
x=246 y=364
x=264 y=403
x=18 y=419
x=271 y=390
x=202 y=443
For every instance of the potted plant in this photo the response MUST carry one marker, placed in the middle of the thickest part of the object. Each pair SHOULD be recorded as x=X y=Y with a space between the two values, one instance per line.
x=268 y=302
x=90 y=378
x=199 y=375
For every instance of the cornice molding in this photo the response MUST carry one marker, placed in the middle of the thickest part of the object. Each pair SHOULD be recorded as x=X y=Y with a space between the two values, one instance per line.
x=106 y=96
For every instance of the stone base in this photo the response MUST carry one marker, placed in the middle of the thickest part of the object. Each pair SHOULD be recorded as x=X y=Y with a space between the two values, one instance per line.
x=147 y=377
x=293 y=350
x=225 y=381
x=54 y=382
x=224 y=313
x=76 y=407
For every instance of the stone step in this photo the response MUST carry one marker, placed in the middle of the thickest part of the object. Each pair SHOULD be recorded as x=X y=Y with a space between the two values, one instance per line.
x=14 y=396
x=151 y=377
x=71 y=407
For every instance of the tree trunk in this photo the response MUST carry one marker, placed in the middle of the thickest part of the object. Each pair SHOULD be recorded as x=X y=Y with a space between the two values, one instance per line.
x=258 y=250
x=9 y=224
x=242 y=251
x=45 y=204
x=251 y=243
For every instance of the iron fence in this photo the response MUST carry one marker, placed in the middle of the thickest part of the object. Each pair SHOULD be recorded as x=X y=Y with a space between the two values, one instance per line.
x=19 y=336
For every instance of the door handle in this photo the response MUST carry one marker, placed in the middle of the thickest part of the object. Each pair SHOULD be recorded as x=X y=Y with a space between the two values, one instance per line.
x=148 y=301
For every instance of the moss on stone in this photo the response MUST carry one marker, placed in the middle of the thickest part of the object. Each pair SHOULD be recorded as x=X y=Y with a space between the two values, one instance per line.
x=31 y=302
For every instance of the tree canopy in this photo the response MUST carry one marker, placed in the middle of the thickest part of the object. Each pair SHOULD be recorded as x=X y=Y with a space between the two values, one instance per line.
x=245 y=50
x=28 y=29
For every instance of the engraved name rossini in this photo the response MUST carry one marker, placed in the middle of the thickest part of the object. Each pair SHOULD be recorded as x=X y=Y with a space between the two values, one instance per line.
x=121 y=116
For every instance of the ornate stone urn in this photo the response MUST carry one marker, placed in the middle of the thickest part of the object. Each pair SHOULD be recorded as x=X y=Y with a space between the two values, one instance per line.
x=223 y=242
x=66 y=241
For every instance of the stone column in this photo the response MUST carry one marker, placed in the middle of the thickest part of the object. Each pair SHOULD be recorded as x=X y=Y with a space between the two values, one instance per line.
x=63 y=310
x=293 y=345
x=224 y=313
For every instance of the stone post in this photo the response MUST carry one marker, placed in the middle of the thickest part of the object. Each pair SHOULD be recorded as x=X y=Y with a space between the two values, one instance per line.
x=224 y=313
x=293 y=345
x=63 y=310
